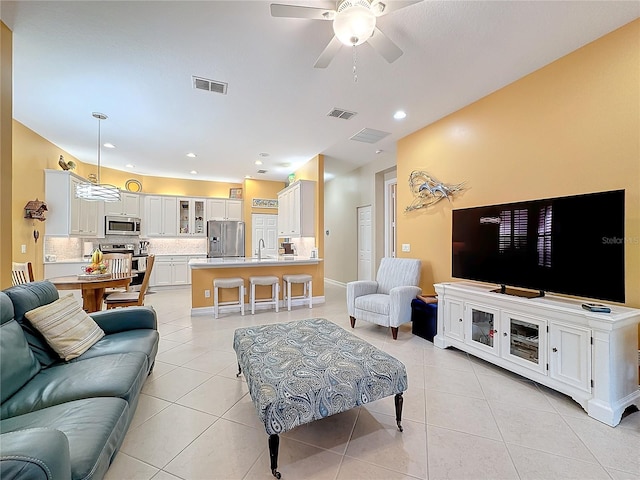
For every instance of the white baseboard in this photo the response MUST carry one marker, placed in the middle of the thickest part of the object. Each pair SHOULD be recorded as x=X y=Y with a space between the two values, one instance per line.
x=335 y=282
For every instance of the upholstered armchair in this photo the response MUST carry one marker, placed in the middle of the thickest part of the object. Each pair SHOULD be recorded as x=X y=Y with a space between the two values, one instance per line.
x=387 y=301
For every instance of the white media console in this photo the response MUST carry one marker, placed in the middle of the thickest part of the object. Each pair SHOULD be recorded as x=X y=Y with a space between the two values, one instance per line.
x=592 y=357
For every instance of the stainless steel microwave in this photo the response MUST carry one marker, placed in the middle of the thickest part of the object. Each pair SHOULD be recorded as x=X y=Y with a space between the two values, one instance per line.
x=114 y=225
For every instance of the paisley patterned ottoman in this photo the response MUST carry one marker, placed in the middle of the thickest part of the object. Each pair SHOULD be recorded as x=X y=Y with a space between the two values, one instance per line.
x=305 y=370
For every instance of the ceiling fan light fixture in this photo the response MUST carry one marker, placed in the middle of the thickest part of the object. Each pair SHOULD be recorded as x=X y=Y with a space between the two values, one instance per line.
x=354 y=22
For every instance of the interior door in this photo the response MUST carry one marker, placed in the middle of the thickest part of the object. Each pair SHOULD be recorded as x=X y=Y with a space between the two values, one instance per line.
x=264 y=226
x=364 y=243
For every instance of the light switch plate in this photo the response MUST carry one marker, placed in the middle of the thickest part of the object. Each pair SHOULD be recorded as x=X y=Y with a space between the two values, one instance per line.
x=207 y=293
x=23 y=248
x=406 y=247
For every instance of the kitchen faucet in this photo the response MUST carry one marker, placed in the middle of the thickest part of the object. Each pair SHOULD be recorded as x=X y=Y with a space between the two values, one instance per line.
x=260 y=242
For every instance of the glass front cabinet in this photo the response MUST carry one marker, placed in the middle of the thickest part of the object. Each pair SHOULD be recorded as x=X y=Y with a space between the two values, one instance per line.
x=524 y=340
x=482 y=325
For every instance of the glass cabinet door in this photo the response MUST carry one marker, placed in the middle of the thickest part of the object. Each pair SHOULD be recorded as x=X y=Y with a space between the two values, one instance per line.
x=198 y=220
x=525 y=341
x=482 y=327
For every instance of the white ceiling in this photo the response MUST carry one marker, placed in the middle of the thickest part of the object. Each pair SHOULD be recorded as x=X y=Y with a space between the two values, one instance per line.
x=133 y=61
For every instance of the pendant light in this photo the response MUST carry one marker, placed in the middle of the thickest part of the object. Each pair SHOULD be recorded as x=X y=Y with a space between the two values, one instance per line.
x=98 y=191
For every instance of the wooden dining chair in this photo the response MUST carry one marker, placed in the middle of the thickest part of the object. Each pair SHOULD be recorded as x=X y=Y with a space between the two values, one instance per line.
x=131 y=299
x=21 y=273
x=117 y=263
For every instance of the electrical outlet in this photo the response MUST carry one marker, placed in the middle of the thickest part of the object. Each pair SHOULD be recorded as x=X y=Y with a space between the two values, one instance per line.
x=406 y=247
x=23 y=248
x=207 y=294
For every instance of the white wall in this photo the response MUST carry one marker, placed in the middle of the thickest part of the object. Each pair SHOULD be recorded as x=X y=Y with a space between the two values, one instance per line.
x=342 y=196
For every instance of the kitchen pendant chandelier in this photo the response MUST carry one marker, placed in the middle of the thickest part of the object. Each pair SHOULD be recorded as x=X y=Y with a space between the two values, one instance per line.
x=98 y=191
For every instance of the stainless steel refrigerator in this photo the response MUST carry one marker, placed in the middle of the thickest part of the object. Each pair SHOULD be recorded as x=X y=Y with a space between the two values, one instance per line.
x=225 y=238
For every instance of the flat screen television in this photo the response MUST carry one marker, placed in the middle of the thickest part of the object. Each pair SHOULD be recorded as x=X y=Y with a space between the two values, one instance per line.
x=570 y=245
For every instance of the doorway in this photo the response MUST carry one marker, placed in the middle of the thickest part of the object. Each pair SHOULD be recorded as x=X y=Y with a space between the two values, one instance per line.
x=364 y=243
x=264 y=226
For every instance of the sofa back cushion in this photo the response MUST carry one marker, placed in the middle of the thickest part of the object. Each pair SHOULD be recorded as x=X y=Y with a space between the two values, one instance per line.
x=26 y=297
x=19 y=364
x=398 y=272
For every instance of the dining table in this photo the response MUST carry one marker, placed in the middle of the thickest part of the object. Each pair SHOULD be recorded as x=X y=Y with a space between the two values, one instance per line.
x=92 y=286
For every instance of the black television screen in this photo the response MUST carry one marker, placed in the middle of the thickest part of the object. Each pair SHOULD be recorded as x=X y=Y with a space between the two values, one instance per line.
x=571 y=245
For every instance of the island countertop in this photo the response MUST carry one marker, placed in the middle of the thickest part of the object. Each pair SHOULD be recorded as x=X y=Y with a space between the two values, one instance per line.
x=231 y=262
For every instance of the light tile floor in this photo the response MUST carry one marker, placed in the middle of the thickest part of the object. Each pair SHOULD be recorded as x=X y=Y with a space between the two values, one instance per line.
x=463 y=418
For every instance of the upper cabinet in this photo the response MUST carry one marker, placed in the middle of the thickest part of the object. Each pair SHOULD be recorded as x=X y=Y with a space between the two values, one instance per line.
x=68 y=215
x=297 y=209
x=129 y=205
x=191 y=215
x=223 y=209
x=160 y=216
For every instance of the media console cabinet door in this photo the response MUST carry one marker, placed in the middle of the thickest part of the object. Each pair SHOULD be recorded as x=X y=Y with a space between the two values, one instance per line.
x=570 y=355
x=454 y=319
x=482 y=326
x=524 y=341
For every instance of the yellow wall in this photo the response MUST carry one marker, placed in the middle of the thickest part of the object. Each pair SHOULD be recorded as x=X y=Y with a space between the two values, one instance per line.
x=571 y=127
x=6 y=111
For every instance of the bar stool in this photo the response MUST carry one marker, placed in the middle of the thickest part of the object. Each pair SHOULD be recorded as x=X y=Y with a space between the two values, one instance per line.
x=264 y=280
x=234 y=282
x=307 y=289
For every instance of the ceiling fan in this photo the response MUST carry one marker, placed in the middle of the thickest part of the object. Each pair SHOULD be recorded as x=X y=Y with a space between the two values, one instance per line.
x=354 y=22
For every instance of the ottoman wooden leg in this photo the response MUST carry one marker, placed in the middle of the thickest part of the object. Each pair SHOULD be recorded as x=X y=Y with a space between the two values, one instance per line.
x=353 y=321
x=274 y=442
x=399 y=401
x=394 y=332
x=239 y=371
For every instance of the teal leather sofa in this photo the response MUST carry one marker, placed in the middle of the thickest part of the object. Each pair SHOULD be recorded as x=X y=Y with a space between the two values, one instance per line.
x=67 y=419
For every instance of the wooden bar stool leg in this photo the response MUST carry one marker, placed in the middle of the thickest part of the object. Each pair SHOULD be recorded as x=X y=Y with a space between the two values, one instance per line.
x=252 y=298
x=310 y=294
x=277 y=297
x=241 y=299
x=289 y=296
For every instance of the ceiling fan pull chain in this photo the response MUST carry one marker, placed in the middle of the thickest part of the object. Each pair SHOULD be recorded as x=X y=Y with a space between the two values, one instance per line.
x=355 y=58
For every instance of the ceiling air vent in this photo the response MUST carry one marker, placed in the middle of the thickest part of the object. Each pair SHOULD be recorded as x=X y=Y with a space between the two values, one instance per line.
x=262 y=171
x=369 y=135
x=340 y=113
x=214 y=86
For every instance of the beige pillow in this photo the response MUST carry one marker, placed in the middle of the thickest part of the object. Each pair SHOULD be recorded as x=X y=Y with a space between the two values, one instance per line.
x=66 y=327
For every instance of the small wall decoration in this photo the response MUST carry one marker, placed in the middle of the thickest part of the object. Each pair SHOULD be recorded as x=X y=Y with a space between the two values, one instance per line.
x=264 y=203
x=35 y=209
x=428 y=190
x=235 y=193
x=133 y=185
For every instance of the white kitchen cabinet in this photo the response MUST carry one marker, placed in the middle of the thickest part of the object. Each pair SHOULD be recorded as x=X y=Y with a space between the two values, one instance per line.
x=224 y=209
x=296 y=210
x=552 y=340
x=161 y=216
x=68 y=215
x=191 y=217
x=170 y=270
x=129 y=205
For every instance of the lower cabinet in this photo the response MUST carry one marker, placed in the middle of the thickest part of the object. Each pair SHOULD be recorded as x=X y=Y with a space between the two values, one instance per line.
x=551 y=340
x=170 y=270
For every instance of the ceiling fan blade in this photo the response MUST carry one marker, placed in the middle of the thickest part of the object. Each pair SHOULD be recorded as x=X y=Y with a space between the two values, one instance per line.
x=384 y=46
x=296 y=11
x=382 y=7
x=328 y=53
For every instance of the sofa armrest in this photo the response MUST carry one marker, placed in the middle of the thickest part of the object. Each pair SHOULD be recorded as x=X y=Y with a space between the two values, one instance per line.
x=357 y=289
x=123 y=319
x=400 y=304
x=35 y=453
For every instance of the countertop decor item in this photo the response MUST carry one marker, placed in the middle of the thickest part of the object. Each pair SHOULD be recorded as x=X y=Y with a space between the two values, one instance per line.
x=98 y=191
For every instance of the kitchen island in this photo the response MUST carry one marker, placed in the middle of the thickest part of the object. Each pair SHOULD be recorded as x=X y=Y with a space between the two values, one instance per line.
x=205 y=270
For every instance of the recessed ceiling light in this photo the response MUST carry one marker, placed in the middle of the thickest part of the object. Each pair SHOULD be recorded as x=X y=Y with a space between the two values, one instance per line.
x=247 y=176
x=191 y=155
x=263 y=154
x=399 y=115
x=378 y=151
x=258 y=162
x=193 y=172
x=109 y=145
x=128 y=165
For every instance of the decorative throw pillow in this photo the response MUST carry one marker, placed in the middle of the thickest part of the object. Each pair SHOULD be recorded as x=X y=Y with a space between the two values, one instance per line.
x=65 y=326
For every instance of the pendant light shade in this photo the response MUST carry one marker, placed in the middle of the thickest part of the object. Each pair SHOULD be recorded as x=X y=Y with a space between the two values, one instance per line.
x=98 y=191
